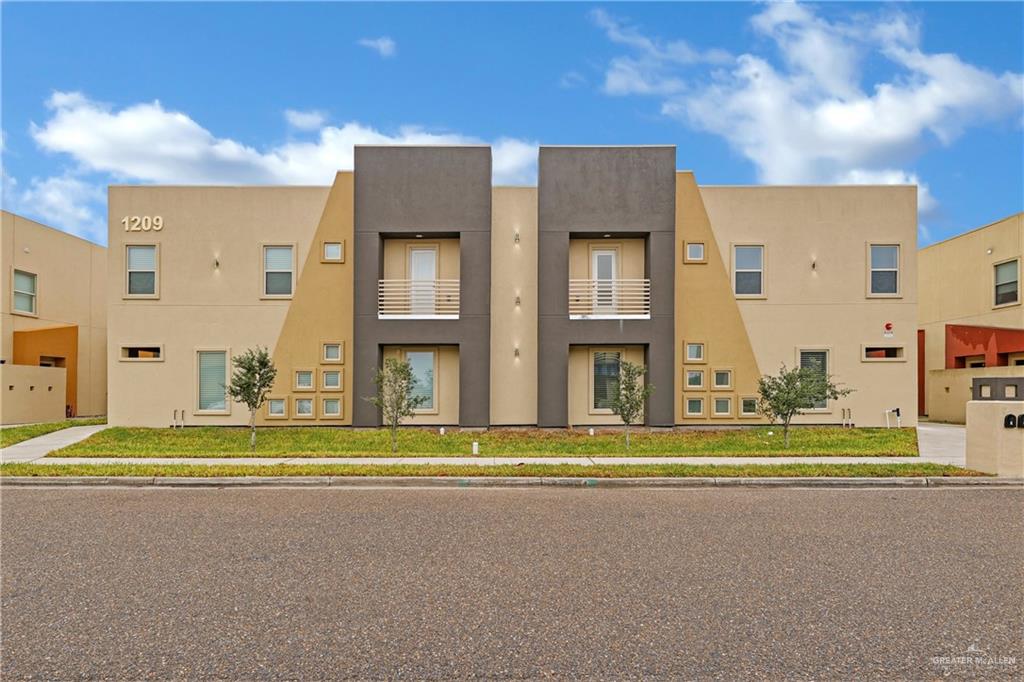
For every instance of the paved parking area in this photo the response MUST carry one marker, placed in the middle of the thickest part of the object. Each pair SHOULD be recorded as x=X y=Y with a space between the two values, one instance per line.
x=439 y=584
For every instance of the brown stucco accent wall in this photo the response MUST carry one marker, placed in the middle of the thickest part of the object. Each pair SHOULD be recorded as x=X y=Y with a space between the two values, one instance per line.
x=320 y=312
x=706 y=312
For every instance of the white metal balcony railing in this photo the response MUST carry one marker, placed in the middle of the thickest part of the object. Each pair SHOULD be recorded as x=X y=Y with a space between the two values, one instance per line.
x=609 y=299
x=418 y=299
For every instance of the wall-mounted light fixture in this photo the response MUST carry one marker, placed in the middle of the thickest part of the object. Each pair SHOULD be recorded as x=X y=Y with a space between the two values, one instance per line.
x=607 y=235
x=518 y=301
x=814 y=264
x=516 y=237
x=516 y=351
x=419 y=236
x=989 y=252
x=216 y=262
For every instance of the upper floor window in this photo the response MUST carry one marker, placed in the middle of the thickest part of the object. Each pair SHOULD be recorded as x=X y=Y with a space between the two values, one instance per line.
x=695 y=252
x=334 y=252
x=1006 y=276
x=24 y=292
x=885 y=270
x=748 y=270
x=278 y=271
x=141 y=259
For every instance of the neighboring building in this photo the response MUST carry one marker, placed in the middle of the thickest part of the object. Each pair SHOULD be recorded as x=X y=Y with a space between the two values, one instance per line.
x=53 y=324
x=514 y=305
x=971 y=318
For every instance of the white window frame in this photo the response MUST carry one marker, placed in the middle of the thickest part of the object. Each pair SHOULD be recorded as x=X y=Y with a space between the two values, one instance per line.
x=264 y=271
x=715 y=386
x=324 y=414
x=227 y=379
x=312 y=407
x=739 y=405
x=295 y=380
x=284 y=401
x=995 y=305
x=34 y=294
x=703 y=353
x=341 y=380
x=436 y=397
x=898 y=270
x=687 y=258
x=156 y=272
x=686 y=379
x=828 y=371
x=323 y=251
x=340 y=360
x=591 y=355
x=686 y=406
x=714 y=407
x=764 y=268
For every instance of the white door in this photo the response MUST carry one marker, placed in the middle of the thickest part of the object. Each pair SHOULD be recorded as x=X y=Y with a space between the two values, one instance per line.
x=604 y=268
x=423 y=276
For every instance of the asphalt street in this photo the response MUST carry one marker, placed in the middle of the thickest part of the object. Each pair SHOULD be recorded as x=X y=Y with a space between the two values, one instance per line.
x=410 y=583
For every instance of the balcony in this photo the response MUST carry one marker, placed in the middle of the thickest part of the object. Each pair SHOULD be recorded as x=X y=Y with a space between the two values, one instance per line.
x=419 y=299
x=609 y=299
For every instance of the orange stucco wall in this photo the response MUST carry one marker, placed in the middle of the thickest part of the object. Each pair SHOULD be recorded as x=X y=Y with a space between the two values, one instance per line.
x=57 y=342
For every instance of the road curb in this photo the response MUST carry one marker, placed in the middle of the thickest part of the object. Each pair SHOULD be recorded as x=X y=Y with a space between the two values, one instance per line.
x=504 y=482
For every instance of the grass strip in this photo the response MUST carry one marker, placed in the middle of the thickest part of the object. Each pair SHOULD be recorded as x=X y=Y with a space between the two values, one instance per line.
x=464 y=471
x=336 y=442
x=16 y=434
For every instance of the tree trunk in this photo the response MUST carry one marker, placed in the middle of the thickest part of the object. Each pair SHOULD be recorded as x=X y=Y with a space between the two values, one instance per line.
x=394 y=438
x=785 y=434
x=252 y=430
x=627 y=436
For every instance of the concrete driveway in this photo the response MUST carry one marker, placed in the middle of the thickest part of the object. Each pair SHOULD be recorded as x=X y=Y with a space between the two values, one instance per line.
x=943 y=443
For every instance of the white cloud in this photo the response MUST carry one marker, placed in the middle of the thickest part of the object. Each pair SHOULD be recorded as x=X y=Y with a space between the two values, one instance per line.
x=811 y=118
x=649 y=69
x=384 y=46
x=572 y=79
x=149 y=143
x=305 y=120
x=65 y=202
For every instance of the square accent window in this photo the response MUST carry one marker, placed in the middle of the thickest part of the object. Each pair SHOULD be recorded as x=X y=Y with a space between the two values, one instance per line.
x=748 y=407
x=304 y=380
x=605 y=378
x=331 y=380
x=695 y=252
x=141 y=269
x=694 y=378
x=885 y=269
x=695 y=407
x=304 y=407
x=333 y=353
x=723 y=407
x=1010 y=391
x=1006 y=276
x=278 y=271
x=334 y=252
x=723 y=378
x=817 y=361
x=277 y=407
x=331 y=407
x=24 y=292
x=695 y=352
x=212 y=380
x=748 y=270
x=422 y=363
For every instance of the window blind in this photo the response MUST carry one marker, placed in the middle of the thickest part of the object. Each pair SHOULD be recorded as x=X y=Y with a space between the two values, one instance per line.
x=142 y=258
x=212 y=372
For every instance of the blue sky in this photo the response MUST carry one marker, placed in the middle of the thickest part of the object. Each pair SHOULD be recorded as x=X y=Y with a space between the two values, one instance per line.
x=193 y=93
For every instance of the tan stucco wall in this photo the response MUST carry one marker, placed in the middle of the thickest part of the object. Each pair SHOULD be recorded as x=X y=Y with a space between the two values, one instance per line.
x=446 y=384
x=826 y=306
x=513 y=274
x=956 y=287
x=580 y=377
x=991 y=447
x=71 y=282
x=210 y=262
x=630 y=262
x=950 y=389
x=396 y=257
x=706 y=312
x=31 y=394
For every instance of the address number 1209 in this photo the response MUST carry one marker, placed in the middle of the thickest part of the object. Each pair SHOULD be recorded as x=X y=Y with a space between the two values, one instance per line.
x=143 y=223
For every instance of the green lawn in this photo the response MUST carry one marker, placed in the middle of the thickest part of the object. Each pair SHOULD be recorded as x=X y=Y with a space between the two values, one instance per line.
x=325 y=442
x=467 y=471
x=16 y=434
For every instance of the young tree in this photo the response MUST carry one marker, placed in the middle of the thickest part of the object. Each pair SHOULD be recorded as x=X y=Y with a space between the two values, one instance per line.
x=251 y=382
x=395 y=398
x=632 y=395
x=792 y=392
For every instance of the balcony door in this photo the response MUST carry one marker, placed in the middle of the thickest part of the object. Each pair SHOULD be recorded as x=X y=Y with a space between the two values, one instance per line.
x=422 y=280
x=604 y=267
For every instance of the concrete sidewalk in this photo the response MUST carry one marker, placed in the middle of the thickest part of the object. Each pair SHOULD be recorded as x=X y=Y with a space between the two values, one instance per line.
x=36 y=448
